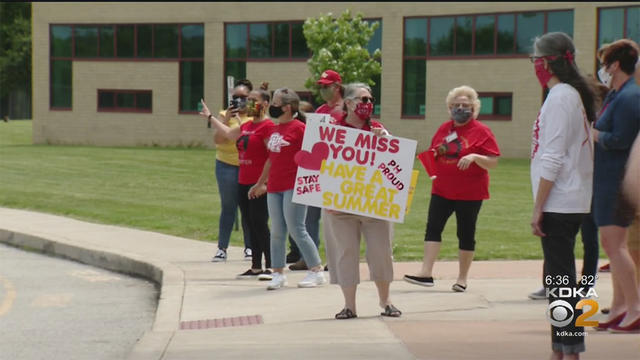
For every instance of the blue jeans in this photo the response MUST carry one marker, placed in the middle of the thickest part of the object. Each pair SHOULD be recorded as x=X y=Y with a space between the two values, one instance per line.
x=227 y=178
x=313 y=228
x=286 y=215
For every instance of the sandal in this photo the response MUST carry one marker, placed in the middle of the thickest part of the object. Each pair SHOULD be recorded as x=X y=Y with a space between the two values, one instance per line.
x=346 y=314
x=391 y=311
x=458 y=288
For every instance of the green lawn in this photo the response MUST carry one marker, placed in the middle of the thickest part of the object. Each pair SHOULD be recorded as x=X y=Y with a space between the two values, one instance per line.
x=173 y=191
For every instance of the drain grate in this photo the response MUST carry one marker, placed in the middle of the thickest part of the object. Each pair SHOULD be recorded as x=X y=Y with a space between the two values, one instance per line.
x=222 y=322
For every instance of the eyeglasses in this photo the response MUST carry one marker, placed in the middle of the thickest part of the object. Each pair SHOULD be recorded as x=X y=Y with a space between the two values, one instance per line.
x=464 y=106
x=366 y=99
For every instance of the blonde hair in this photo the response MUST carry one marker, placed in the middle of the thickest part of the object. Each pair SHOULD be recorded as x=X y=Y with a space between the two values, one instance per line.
x=467 y=91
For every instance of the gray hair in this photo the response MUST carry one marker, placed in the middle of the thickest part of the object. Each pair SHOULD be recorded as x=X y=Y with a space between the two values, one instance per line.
x=351 y=89
x=560 y=52
x=553 y=43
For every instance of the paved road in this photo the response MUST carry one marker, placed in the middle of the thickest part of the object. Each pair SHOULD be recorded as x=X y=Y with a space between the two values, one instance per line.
x=57 y=309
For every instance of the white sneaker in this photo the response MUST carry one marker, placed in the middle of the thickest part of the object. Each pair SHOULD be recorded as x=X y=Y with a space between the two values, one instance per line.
x=221 y=255
x=278 y=280
x=247 y=254
x=313 y=279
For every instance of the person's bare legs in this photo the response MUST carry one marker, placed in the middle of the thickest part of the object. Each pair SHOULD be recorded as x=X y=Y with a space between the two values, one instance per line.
x=556 y=355
x=635 y=255
x=465 y=257
x=431 y=250
x=349 y=293
x=383 y=293
x=622 y=272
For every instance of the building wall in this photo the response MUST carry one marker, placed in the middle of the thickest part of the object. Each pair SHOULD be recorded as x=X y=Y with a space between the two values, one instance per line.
x=84 y=125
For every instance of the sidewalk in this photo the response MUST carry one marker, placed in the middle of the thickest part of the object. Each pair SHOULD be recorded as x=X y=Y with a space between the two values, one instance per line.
x=205 y=313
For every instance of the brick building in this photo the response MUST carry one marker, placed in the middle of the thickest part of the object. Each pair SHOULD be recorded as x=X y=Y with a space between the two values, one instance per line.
x=129 y=74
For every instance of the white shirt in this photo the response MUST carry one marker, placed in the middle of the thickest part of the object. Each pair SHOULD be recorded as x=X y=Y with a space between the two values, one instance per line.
x=562 y=152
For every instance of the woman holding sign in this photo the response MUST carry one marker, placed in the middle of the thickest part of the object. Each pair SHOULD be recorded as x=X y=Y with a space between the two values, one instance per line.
x=461 y=152
x=285 y=141
x=342 y=231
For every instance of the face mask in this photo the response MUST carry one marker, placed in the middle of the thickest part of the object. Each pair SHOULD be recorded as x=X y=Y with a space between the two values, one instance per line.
x=275 y=111
x=253 y=108
x=543 y=74
x=326 y=93
x=364 y=110
x=461 y=115
x=604 y=76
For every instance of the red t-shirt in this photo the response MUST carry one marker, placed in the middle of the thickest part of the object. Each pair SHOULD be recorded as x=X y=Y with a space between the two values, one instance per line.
x=335 y=113
x=252 y=151
x=451 y=182
x=285 y=141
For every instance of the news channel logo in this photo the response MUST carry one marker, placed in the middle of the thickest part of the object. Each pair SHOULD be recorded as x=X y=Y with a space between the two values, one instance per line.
x=560 y=312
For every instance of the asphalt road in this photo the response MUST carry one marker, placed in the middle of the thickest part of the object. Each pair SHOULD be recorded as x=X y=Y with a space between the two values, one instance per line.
x=56 y=309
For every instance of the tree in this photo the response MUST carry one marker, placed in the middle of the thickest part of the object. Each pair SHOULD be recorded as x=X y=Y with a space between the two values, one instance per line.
x=15 y=47
x=341 y=44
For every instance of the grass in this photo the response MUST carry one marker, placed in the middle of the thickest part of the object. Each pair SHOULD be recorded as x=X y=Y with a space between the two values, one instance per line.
x=173 y=191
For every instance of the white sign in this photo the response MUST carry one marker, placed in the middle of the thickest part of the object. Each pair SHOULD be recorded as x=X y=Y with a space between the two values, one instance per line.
x=354 y=171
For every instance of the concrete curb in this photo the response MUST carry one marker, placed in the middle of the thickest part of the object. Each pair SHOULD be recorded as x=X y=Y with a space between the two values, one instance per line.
x=169 y=278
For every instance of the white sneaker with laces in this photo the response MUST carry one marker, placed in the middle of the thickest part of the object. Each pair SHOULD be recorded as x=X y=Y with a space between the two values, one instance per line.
x=247 y=254
x=221 y=255
x=313 y=279
x=277 y=281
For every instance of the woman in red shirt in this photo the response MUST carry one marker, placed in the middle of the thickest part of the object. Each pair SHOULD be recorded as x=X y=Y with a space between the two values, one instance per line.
x=251 y=140
x=281 y=169
x=464 y=150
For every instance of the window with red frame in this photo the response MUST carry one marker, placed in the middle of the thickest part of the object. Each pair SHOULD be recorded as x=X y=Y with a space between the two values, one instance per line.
x=125 y=101
x=495 y=106
x=183 y=43
x=472 y=36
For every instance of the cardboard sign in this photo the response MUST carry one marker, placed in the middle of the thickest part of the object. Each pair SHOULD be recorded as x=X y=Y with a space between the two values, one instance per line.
x=354 y=171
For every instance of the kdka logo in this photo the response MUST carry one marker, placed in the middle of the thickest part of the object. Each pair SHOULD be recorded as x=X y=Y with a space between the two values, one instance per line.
x=560 y=312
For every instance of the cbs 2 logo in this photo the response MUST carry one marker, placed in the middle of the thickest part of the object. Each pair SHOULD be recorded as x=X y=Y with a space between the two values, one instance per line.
x=560 y=313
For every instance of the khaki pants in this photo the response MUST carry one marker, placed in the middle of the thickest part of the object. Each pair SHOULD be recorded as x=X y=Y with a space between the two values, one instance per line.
x=342 y=233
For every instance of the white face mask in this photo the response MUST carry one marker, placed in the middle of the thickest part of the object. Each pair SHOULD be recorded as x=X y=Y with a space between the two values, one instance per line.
x=605 y=77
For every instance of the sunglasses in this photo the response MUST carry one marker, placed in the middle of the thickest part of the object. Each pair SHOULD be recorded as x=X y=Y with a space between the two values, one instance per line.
x=235 y=97
x=366 y=99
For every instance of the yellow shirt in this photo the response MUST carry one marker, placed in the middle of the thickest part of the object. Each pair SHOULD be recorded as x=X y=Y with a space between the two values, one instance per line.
x=227 y=151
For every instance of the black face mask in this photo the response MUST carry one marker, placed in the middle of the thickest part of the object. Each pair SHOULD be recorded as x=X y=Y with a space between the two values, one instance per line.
x=275 y=111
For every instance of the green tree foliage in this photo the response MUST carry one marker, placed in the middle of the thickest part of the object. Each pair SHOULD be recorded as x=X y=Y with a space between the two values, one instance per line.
x=341 y=44
x=15 y=46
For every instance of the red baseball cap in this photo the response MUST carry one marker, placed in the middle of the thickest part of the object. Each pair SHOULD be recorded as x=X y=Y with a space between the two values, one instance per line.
x=329 y=77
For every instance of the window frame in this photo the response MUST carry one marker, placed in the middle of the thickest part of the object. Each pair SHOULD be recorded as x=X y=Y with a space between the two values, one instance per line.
x=115 y=57
x=117 y=109
x=624 y=28
x=513 y=55
x=248 y=57
x=473 y=56
x=494 y=116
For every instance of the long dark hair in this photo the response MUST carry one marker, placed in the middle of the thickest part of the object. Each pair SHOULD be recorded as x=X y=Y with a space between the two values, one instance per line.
x=558 y=49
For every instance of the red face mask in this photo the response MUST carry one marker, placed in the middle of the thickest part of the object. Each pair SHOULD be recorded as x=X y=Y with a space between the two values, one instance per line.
x=543 y=74
x=364 y=110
